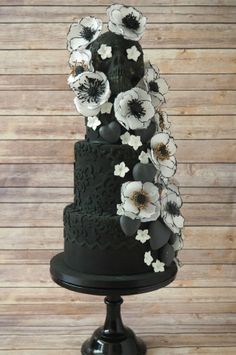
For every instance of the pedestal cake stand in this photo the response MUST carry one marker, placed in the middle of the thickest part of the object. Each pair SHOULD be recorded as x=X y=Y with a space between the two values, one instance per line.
x=113 y=338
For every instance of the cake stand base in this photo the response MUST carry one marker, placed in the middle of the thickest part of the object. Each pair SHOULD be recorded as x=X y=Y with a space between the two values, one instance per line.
x=113 y=338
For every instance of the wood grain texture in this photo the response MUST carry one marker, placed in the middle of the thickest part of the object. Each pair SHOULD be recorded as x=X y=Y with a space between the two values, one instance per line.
x=168 y=60
x=62 y=151
x=61 y=103
x=51 y=175
x=159 y=351
x=50 y=214
x=53 y=127
x=63 y=194
x=39 y=36
x=154 y=14
x=193 y=44
x=47 y=238
x=48 y=82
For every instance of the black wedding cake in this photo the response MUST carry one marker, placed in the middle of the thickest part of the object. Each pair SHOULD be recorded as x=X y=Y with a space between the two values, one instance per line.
x=125 y=218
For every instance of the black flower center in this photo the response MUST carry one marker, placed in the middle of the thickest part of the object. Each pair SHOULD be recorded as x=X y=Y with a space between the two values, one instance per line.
x=91 y=90
x=87 y=33
x=136 y=108
x=130 y=21
x=161 y=151
x=153 y=86
x=140 y=199
x=172 y=208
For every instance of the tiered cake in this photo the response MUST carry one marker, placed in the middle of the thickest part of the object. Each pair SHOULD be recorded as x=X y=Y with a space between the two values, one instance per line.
x=125 y=218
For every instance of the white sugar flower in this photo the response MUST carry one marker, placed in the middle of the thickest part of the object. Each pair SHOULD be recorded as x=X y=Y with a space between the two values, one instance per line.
x=83 y=32
x=142 y=235
x=126 y=21
x=106 y=108
x=105 y=51
x=120 y=210
x=171 y=203
x=125 y=138
x=179 y=243
x=92 y=90
x=143 y=158
x=140 y=200
x=133 y=109
x=133 y=53
x=148 y=259
x=158 y=266
x=93 y=122
x=162 y=122
x=162 y=153
x=135 y=141
x=80 y=61
x=121 y=169
x=155 y=85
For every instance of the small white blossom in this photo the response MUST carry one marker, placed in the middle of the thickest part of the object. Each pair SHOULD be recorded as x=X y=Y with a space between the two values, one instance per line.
x=133 y=53
x=142 y=235
x=135 y=141
x=158 y=266
x=106 y=107
x=143 y=157
x=93 y=122
x=120 y=210
x=148 y=259
x=121 y=169
x=105 y=51
x=125 y=138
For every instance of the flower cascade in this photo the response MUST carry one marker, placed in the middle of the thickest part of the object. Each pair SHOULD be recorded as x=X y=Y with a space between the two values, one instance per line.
x=150 y=202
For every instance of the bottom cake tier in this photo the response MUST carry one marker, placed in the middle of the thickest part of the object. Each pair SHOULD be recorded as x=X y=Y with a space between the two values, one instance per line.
x=96 y=245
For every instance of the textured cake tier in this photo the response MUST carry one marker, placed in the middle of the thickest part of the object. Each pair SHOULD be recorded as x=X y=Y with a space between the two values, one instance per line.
x=97 y=189
x=96 y=244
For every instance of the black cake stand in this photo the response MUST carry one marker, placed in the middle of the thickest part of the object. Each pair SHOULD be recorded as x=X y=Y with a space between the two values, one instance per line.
x=113 y=338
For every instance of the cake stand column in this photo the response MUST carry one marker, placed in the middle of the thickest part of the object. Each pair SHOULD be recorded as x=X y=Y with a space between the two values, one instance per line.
x=113 y=338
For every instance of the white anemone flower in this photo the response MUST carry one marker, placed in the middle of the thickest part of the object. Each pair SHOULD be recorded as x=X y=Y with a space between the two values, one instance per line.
x=80 y=61
x=83 y=32
x=162 y=152
x=133 y=109
x=126 y=21
x=140 y=200
x=162 y=122
x=171 y=203
x=156 y=86
x=92 y=90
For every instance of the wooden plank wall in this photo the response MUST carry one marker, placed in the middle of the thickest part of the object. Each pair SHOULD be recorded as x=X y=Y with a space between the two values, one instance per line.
x=194 y=44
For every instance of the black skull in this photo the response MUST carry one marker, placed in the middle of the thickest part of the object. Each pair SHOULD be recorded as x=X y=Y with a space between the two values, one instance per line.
x=123 y=74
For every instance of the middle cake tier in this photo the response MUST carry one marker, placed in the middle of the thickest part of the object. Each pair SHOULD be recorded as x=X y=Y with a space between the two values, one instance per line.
x=97 y=189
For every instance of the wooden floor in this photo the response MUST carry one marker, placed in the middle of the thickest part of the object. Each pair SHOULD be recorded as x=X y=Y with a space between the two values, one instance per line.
x=194 y=44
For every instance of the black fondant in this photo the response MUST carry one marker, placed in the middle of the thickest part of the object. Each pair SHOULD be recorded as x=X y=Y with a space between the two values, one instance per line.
x=159 y=234
x=129 y=226
x=111 y=132
x=144 y=172
x=146 y=134
x=167 y=254
x=97 y=189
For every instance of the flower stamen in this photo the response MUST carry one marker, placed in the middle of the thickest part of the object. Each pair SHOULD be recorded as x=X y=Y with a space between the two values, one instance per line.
x=87 y=33
x=136 y=108
x=140 y=199
x=161 y=152
x=131 y=22
x=172 y=208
